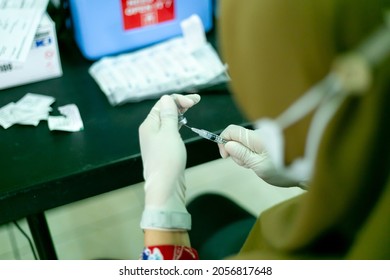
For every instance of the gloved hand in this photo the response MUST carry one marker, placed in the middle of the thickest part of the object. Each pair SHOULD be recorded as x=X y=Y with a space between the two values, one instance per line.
x=246 y=147
x=164 y=159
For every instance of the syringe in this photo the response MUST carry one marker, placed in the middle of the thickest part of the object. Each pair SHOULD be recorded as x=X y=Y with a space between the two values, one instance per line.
x=201 y=132
x=208 y=135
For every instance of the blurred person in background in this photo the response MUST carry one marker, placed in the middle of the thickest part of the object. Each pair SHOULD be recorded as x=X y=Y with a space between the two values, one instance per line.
x=276 y=51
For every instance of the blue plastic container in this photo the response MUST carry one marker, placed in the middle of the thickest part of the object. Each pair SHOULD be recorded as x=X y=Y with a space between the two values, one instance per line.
x=109 y=27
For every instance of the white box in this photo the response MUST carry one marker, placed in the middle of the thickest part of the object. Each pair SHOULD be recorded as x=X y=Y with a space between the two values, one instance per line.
x=43 y=62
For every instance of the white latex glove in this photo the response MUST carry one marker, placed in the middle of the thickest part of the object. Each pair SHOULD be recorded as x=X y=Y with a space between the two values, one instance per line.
x=246 y=148
x=164 y=159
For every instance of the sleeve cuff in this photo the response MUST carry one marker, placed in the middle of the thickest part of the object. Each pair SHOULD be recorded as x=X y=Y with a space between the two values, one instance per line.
x=155 y=219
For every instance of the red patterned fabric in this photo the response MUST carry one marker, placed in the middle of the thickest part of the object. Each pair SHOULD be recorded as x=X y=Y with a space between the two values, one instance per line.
x=169 y=252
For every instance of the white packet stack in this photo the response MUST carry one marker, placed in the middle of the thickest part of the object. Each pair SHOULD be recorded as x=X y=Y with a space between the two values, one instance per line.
x=181 y=64
x=29 y=110
x=33 y=108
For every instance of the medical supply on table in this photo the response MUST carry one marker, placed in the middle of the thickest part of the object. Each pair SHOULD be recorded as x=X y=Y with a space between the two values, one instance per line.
x=29 y=110
x=170 y=66
x=42 y=61
x=19 y=21
x=70 y=119
x=103 y=28
x=33 y=108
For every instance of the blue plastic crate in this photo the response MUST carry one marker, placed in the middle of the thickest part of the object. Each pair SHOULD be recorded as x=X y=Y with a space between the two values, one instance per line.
x=109 y=27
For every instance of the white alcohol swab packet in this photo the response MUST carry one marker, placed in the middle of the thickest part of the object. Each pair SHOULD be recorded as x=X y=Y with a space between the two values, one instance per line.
x=70 y=121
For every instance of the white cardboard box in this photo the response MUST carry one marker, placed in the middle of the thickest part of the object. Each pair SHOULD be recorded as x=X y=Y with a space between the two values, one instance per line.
x=43 y=61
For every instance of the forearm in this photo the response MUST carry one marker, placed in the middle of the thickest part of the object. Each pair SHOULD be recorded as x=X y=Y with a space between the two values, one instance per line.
x=165 y=219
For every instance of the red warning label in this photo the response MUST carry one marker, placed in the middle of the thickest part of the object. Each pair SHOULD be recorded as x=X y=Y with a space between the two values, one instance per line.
x=139 y=13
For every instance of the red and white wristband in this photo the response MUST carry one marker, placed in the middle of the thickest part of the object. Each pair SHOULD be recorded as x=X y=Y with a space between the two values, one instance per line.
x=169 y=252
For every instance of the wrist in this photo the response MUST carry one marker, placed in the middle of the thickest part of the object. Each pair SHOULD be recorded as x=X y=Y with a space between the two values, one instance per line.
x=158 y=237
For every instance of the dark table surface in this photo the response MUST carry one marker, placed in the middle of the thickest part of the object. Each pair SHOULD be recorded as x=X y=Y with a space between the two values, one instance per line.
x=42 y=169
